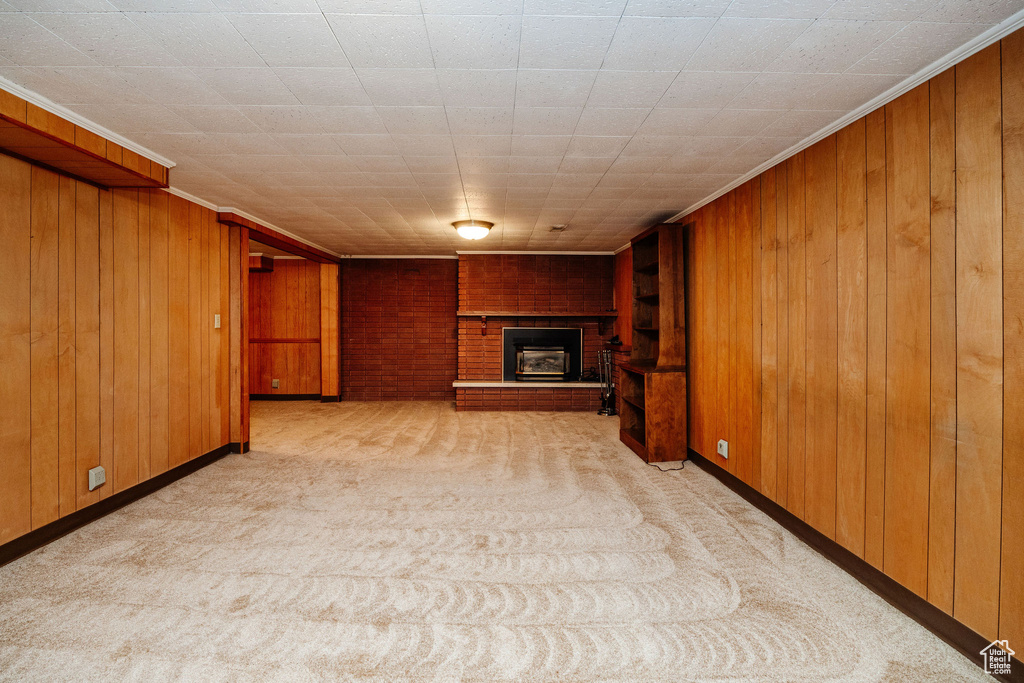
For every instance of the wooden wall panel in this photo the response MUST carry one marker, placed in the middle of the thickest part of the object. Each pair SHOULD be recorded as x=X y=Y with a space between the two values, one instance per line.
x=769 y=365
x=194 y=274
x=330 y=322
x=284 y=314
x=95 y=339
x=743 y=448
x=126 y=339
x=15 y=348
x=907 y=341
x=797 y=335
x=145 y=337
x=782 y=314
x=159 y=315
x=889 y=269
x=874 y=465
x=1011 y=592
x=178 y=336
x=979 y=324
x=623 y=294
x=106 y=234
x=852 y=348
x=44 y=311
x=822 y=331
x=942 y=496
x=87 y=340
x=66 y=347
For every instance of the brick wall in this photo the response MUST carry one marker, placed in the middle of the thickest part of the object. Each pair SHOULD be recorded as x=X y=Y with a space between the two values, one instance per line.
x=398 y=329
x=519 y=282
x=527 y=283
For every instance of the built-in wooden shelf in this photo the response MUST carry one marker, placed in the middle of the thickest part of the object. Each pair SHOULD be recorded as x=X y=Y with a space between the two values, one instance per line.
x=637 y=403
x=483 y=384
x=652 y=383
x=539 y=314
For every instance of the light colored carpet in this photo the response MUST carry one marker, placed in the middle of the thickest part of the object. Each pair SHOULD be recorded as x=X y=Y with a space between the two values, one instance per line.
x=394 y=541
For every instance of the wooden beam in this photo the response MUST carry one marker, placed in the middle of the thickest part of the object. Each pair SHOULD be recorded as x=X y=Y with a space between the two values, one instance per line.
x=273 y=238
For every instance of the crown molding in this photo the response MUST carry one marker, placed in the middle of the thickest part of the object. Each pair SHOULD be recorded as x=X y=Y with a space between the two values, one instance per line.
x=539 y=253
x=190 y=197
x=399 y=256
x=993 y=35
x=83 y=122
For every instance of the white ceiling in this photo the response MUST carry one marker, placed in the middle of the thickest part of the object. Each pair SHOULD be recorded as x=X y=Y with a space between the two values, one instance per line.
x=368 y=126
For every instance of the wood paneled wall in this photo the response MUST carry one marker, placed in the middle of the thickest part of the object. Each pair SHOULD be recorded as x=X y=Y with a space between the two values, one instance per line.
x=857 y=334
x=284 y=328
x=108 y=350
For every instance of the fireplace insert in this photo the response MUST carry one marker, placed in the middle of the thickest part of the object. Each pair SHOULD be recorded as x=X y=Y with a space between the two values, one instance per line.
x=541 y=362
x=550 y=354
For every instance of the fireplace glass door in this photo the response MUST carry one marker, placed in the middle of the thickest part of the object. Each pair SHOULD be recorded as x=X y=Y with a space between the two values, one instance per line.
x=541 y=362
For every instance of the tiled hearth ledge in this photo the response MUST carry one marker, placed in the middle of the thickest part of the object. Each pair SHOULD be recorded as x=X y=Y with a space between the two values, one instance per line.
x=473 y=384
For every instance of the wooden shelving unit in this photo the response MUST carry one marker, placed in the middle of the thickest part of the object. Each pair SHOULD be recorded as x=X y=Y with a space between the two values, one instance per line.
x=653 y=382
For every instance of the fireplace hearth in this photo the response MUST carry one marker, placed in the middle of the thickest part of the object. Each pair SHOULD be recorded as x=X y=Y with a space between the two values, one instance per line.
x=547 y=354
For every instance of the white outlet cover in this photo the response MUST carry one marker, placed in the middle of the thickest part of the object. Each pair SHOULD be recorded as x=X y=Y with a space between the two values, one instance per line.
x=723 y=448
x=216 y=321
x=97 y=478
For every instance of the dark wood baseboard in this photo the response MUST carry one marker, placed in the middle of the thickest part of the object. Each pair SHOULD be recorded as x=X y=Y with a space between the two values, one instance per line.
x=33 y=540
x=960 y=637
x=284 y=397
x=330 y=399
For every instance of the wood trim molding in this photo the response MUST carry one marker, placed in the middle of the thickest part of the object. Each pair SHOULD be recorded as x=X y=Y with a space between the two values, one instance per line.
x=273 y=238
x=33 y=134
x=286 y=340
x=34 y=540
x=285 y=397
x=958 y=636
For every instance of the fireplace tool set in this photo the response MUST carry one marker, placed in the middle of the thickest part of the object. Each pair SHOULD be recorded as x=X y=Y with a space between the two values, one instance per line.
x=604 y=367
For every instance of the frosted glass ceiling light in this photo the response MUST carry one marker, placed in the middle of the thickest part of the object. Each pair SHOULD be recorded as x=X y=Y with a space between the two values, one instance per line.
x=472 y=229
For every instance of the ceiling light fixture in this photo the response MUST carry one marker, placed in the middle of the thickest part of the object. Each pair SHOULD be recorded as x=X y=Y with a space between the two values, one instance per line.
x=472 y=229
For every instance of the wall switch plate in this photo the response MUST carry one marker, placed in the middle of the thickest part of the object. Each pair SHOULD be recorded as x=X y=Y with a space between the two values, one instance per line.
x=723 y=448
x=97 y=478
x=216 y=321
x=275 y=384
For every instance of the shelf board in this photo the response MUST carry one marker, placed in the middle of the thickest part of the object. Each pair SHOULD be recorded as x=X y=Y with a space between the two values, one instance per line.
x=647 y=298
x=638 y=367
x=639 y=405
x=648 y=269
x=539 y=314
x=647 y=330
x=635 y=439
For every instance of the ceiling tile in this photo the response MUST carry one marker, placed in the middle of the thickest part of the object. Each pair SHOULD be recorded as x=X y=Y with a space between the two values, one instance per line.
x=383 y=41
x=705 y=89
x=414 y=120
x=643 y=43
x=740 y=122
x=551 y=42
x=611 y=122
x=596 y=146
x=201 y=39
x=629 y=88
x=915 y=47
x=247 y=86
x=109 y=38
x=480 y=120
x=330 y=86
x=677 y=121
x=349 y=120
x=401 y=87
x=781 y=91
x=26 y=43
x=545 y=120
x=554 y=88
x=830 y=46
x=424 y=145
x=283 y=119
x=612 y=8
x=291 y=39
x=474 y=42
x=737 y=44
x=779 y=9
x=171 y=85
x=477 y=87
x=674 y=8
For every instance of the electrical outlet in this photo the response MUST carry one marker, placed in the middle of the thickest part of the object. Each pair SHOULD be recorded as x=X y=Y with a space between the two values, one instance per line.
x=275 y=384
x=723 y=448
x=97 y=478
x=216 y=321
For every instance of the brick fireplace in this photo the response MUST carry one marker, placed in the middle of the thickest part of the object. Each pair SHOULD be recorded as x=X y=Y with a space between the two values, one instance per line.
x=499 y=291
